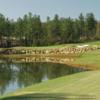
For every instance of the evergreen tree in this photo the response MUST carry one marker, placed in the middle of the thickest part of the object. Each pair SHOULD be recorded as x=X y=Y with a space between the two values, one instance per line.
x=90 y=25
x=81 y=27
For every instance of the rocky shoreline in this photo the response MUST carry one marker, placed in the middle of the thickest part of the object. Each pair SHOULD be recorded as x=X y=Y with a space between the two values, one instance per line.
x=60 y=51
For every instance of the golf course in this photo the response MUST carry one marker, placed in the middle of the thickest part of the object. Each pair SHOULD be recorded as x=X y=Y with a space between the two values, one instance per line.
x=82 y=85
x=49 y=50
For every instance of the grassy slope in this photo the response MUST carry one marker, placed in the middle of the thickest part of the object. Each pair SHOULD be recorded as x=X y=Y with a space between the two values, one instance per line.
x=91 y=58
x=83 y=85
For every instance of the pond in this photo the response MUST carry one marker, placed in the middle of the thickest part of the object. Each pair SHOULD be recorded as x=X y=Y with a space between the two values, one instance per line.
x=14 y=76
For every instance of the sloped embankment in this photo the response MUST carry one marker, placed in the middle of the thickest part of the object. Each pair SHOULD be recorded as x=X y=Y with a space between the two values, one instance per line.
x=84 y=85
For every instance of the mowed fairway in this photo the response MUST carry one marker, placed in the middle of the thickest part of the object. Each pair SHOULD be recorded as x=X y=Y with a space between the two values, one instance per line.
x=84 y=85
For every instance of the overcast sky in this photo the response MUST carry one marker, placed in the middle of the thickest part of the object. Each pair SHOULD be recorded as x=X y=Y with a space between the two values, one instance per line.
x=64 y=8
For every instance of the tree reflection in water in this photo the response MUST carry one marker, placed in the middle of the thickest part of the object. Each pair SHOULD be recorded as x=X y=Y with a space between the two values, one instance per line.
x=18 y=75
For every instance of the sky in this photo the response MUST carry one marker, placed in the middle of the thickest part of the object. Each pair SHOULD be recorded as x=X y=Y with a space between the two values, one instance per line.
x=64 y=8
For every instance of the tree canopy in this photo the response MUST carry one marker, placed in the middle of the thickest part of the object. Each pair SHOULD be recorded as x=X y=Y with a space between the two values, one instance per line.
x=31 y=31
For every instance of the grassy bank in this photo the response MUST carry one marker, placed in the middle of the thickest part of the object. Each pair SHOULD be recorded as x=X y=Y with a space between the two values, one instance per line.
x=57 y=46
x=84 y=85
x=89 y=59
x=60 y=46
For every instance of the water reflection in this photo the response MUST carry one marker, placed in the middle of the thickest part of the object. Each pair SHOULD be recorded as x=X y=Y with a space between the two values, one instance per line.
x=18 y=75
x=21 y=59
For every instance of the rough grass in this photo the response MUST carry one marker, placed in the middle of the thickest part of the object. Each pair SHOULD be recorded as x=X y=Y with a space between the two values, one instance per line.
x=84 y=85
x=91 y=58
x=57 y=46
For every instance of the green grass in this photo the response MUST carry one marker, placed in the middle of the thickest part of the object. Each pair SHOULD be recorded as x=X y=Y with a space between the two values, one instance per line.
x=84 y=85
x=44 y=47
x=90 y=59
x=55 y=46
x=58 y=46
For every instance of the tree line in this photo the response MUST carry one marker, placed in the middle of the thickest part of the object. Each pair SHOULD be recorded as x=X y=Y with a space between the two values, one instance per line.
x=31 y=31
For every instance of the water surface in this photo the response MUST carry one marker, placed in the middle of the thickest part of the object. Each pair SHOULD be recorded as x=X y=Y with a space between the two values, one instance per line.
x=19 y=75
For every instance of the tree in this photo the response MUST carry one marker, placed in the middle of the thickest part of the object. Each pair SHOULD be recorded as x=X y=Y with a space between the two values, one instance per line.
x=47 y=31
x=37 y=30
x=67 y=30
x=19 y=30
x=81 y=27
x=29 y=30
x=2 y=25
x=90 y=26
x=56 y=31
x=98 y=31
